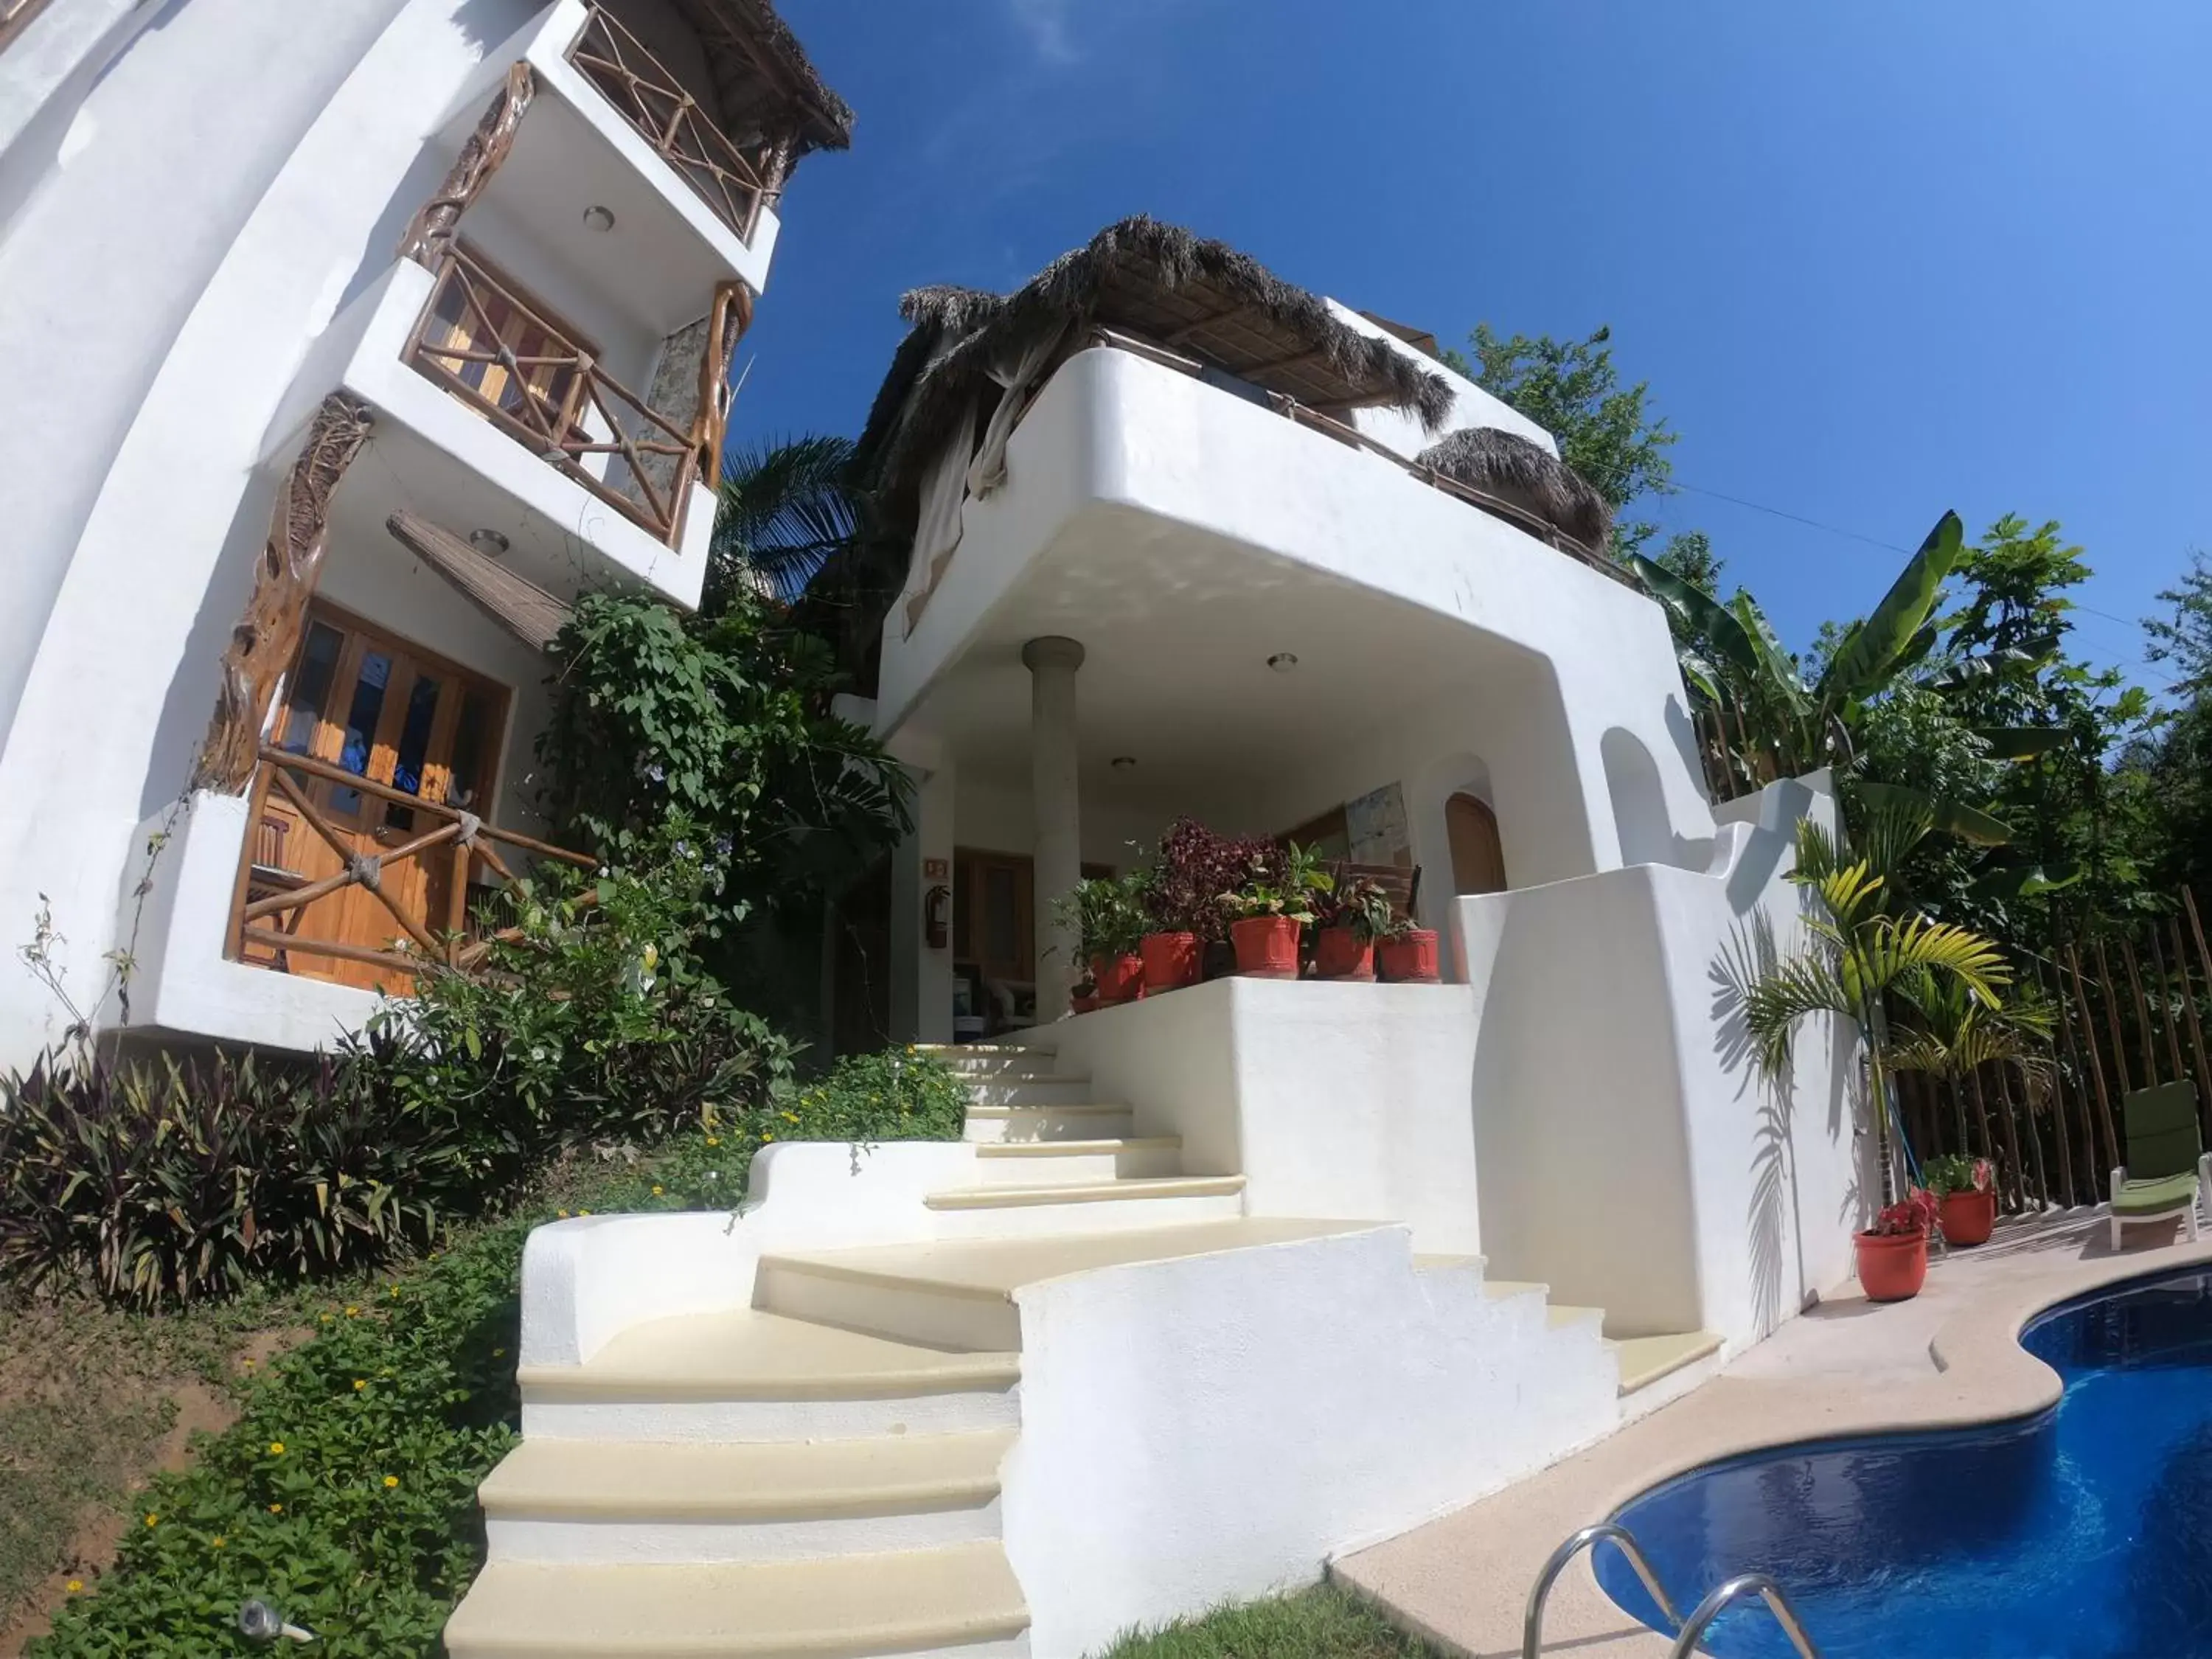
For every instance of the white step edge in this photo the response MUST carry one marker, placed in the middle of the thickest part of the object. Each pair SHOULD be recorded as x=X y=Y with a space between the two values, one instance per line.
x=1108 y=1192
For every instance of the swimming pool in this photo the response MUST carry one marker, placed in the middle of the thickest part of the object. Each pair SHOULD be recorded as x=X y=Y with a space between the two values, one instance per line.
x=2083 y=1533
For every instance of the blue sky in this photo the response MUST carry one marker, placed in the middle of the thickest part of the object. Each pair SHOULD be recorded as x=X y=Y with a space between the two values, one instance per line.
x=1876 y=260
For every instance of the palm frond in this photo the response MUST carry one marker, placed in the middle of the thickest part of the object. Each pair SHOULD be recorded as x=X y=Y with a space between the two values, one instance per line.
x=1890 y=951
x=1807 y=983
x=784 y=511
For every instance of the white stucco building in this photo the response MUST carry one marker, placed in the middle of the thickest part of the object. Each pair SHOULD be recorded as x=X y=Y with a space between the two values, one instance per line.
x=1225 y=1281
x=339 y=345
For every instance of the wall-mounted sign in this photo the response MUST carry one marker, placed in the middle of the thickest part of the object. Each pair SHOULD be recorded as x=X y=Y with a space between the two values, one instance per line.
x=935 y=869
x=1376 y=823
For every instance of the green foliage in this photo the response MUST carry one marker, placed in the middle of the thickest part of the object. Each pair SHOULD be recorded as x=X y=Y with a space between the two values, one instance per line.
x=785 y=511
x=1605 y=431
x=718 y=729
x=1108 y=915
x=160 y=1182
x=2185 y=637
x=1359 y=904
x=890 y=1095
x=1320 y=1623
x=1288 y=887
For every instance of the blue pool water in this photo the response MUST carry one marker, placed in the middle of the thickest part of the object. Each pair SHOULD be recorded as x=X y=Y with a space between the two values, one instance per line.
x=2085 y=1533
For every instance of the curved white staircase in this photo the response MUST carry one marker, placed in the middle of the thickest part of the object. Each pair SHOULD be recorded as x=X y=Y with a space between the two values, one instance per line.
x=818 y=1476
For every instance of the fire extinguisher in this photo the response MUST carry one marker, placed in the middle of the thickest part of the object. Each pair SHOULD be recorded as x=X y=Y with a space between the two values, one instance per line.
x=936 y=906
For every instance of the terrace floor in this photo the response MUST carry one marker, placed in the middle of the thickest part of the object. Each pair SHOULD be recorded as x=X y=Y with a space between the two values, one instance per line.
x=1847 y=1366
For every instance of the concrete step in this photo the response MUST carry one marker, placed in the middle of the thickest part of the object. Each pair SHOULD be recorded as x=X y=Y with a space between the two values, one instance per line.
x=1020 y=1125
x=1561 y=1315
x=1040 y=1209
x=963 y=1599
x=603 y=1501
x=960 y=1293
x=752 y=1374
x=1646 y=1360
x=1078 y=1162
x=978 y=1061
x=1026 y=1089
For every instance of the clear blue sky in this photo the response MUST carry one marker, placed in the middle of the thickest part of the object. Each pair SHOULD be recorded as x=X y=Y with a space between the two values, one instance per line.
x=1875 y=259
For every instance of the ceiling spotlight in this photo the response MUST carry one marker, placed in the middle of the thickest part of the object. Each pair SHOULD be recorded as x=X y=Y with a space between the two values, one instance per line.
x=598 y=218
x=1283 y=662
x=1124 y=762
x=489 y=543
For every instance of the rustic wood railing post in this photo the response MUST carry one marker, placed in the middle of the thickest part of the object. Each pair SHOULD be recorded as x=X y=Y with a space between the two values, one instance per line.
x=2112 y=1158
x=2112 y=1018
x=2196 y=1029
x=2167 y=1015
x=432 y=228
x=2142 y=1013
x=268 y=635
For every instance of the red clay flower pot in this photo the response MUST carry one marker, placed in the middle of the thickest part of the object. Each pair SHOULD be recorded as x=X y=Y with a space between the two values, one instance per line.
x=1082 y=1004
x=1968 y=1217
x=1266 y=946
x=1341 y=953
x=1891 y=1265
x=1410 y=958
x=1119 y=979
x=1171 y=961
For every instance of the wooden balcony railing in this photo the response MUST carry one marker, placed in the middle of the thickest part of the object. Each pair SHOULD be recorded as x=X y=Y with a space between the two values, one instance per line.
x=274 y=895
x=15 y=17
x=733 y=184
x=530 y=375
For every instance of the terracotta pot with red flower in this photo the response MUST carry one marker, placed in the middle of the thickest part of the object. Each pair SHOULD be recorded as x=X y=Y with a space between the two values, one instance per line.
x=1273 y=905
x=1119 y=978
x=1171 y=961
x=1410 y=956
x=1893 y=1253
x=1966 y=1191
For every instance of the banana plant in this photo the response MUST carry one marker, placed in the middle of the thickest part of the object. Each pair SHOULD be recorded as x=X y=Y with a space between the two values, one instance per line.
x=1745 y=671
x=1860 y=950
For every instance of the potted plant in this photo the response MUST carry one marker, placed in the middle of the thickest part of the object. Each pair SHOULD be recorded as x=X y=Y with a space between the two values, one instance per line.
x=1348 y=921
x=1272 y=907
x=1893 y=1252
x=1192 y=868
x=1084 y=996
x=1170 y=945
x=1408 y=955
x=1107 y=914
x=1966 y=1191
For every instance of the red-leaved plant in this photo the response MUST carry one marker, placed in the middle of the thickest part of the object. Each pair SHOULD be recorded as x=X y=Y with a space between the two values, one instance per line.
x=1195 y=868
x=1916 y=1212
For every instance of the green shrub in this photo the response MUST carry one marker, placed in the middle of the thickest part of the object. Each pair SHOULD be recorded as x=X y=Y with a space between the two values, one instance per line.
x=165 y=1182
x=891 y=1095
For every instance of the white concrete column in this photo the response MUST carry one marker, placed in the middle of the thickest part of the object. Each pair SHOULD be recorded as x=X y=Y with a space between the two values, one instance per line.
x=922 y=974
x=1057 y=851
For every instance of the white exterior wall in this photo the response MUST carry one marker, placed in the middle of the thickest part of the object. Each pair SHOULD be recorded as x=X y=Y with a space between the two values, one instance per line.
x=1339 y=1100
x=1559 y=656
x=1632 y=1158
x=199 y=206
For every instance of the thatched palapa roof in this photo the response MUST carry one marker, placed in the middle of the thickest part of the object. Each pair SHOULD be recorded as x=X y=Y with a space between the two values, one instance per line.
x=764 y=78
x=1161 y=283
x=1527 y=475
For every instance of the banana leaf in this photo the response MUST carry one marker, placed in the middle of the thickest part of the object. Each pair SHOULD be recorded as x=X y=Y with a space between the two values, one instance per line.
x=2017 y=881
x=1952 y=817
x=2023 y=742
x=1776 y=669
x=1699 y=612
x=1870 y=651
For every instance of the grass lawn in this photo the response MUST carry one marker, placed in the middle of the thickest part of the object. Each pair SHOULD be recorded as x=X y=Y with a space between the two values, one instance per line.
x=1320 y=1623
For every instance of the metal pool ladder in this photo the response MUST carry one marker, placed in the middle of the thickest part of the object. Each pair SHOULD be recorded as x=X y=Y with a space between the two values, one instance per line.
x=1685 y=1643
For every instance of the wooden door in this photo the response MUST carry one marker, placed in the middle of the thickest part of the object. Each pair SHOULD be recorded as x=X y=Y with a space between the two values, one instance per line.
x=387 y=711
x=1478 y=857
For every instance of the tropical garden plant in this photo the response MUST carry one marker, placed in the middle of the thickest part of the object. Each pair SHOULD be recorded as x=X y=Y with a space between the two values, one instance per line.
x=1860 y=949
x=1108 y=915
x=784 y=511
x=1290 y=885
x=1360 y=902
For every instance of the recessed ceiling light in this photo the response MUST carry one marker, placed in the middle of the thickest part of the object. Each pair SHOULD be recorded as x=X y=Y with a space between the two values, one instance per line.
x=598 y=218
x=489 y=543
x=1124 y=762
x=1283 y=662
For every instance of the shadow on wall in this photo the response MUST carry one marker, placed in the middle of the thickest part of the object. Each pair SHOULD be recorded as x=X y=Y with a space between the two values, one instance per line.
x=1748 y=956
x=1640 y=818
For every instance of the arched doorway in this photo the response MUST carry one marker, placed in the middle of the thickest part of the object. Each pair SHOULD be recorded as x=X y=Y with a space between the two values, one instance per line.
x=1478 y=857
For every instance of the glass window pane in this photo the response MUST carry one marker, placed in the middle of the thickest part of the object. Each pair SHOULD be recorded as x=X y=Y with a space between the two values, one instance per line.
x=311 y=686
x=367 y=705
x=415 y=734
x=473 y=741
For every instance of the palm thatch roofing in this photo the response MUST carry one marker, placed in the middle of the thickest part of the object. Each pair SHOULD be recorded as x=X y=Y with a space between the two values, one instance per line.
x=764 y=79
x=1161 y=283
x=1527 y=475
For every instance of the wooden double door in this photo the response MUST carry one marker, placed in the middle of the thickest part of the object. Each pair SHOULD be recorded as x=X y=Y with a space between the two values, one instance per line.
x=367 y=703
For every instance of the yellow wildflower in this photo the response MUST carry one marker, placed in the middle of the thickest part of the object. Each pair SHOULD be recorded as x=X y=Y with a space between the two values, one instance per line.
x=74 y=1586
x=275 y=1449
x=791 y=1117
x=216 y=1542
x=714 y=1140
x=153 y=1519
x=275 y=1509
x=560 y=1215
x=359 y=1383
x=326 y=1319
x=657 y=1190
x=395 y=1290
x=390 y=1481
x=766 y=1138
x=353 y=1313
x=583 y=1212
x=249 y=1364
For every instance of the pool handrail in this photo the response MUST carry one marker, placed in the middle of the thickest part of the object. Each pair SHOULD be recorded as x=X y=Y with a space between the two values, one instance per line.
x=1743 y=1584
x=1532 y=1622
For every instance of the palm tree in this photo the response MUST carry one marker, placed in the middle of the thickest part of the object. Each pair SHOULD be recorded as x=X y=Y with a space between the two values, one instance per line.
x=1861 y=950
x=1948 y=1033
x=785 y=510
